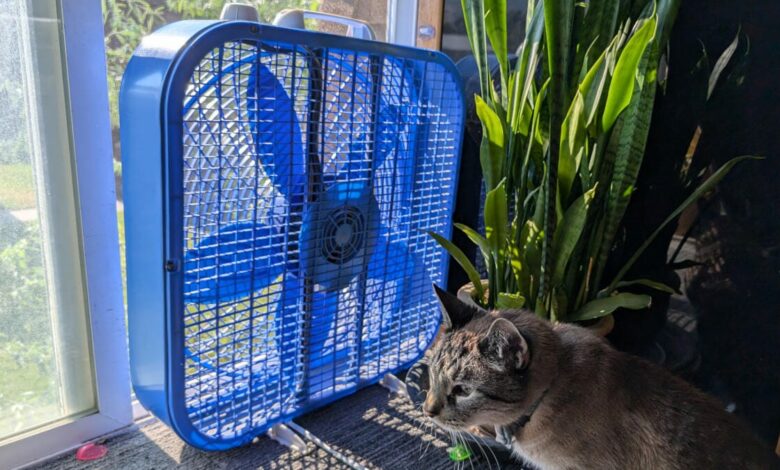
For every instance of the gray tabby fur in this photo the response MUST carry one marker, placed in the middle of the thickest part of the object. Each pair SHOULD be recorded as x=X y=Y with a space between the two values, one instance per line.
x=600 y=408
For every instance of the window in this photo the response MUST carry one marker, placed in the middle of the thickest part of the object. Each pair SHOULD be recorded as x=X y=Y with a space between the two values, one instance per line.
x=63 y=351
x=44 y=338
x=60 y=300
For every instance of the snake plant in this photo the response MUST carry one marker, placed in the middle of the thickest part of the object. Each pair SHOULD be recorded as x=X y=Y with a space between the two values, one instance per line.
x=563 y=136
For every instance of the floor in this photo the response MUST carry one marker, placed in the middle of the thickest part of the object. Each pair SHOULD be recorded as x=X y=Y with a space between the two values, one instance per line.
x=374 y=427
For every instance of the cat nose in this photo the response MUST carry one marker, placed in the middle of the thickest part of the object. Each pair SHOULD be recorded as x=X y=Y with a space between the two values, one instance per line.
x=431 y=409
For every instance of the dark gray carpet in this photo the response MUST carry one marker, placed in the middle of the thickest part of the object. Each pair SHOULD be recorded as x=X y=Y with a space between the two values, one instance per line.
x=374 y=427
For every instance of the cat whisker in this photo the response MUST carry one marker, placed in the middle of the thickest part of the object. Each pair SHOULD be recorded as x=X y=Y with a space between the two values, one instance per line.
x=481 y=440
x=463 y=440
x=482 y=451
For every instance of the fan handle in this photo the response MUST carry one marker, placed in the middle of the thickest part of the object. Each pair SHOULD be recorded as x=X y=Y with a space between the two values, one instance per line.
x=293 y=18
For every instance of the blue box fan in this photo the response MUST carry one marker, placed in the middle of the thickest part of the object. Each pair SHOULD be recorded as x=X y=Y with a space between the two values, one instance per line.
x=278 y=186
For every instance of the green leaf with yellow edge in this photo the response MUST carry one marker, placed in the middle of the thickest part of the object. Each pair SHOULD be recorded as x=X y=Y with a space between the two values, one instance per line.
x=621 y=88
x=491 y=152
x=496 y=28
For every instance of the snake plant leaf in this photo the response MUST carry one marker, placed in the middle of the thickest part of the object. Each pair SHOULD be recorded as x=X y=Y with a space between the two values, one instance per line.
x=558 y=21
x=666 y=13
x=496 y=28
x=599 y=26
x=621 y=87
x=473 y=15
x=572 y=142
x=463 y=261
x=598 y=308
x=491 y=154
x=477 y=239
x=509 y=301
x=520 y=121
x=541 y=126
x=569 y=232
x=659 y=286
x=517 y=264
x=496 y=220
x=592 y=88
x=721 y=64
x=530 y=252
x=703 y=189
x=520 y=115
x=626 y=154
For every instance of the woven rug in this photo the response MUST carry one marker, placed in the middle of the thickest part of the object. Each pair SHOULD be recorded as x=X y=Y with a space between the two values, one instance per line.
x=374 y=427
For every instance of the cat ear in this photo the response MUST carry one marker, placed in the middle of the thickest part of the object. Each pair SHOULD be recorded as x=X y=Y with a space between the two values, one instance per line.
x=455 y=313
x=504 y=347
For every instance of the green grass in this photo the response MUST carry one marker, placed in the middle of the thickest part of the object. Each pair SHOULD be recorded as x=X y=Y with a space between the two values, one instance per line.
x=28 y=391
x=17 y=187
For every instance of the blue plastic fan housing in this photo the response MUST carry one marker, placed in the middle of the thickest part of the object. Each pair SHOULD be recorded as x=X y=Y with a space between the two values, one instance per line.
x=278 y=186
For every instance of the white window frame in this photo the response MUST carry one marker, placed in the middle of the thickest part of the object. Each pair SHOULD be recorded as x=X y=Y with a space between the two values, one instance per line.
x=402 y=22
x=92 y=150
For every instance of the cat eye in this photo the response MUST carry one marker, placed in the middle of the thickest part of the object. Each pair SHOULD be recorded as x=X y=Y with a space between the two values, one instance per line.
x=460 y=391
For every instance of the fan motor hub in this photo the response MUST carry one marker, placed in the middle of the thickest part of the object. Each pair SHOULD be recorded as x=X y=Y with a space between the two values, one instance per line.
x=343 y=234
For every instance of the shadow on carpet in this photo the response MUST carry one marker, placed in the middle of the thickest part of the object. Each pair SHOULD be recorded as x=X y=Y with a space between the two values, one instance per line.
x=375 y=428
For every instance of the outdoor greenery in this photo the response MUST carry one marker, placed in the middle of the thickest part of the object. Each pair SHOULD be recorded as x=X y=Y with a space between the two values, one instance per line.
x=16 y=185
x=127 y=21
x=564 y=133
x=26 y=354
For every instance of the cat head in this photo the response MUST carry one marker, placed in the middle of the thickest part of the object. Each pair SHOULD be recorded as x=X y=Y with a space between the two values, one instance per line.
x=478 y=371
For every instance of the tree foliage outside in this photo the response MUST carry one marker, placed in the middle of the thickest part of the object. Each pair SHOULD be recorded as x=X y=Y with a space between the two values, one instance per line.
x=126 y=22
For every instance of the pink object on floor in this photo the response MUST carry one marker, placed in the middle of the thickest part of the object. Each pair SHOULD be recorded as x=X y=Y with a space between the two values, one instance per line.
x=91 y=451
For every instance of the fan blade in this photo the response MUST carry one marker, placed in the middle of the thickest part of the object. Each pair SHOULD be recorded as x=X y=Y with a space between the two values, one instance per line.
x=283 y=346
x=276 y=131
x=398 y=113
x=347 y=114
x=331 y=343
x=398 y=282
x=269 y=371
x=398 y=146
x=239 y=259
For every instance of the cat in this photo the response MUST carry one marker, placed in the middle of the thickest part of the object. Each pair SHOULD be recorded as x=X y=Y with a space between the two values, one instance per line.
x=563 y=398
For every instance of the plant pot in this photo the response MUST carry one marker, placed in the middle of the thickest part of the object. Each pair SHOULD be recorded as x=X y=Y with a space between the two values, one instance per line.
x=467 y=293
x=601 y=327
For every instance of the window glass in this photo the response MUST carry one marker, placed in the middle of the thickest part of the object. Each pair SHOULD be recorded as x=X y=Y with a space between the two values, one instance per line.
x=46 y=371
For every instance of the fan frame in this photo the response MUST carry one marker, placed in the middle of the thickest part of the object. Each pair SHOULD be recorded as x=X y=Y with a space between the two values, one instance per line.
x=152 y=93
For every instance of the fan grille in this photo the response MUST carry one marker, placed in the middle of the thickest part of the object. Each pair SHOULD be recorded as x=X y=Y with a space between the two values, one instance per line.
x=261 y=342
